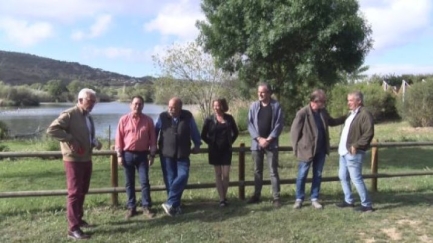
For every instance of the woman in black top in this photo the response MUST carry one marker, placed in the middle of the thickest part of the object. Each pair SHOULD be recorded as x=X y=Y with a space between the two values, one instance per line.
x=219 y=132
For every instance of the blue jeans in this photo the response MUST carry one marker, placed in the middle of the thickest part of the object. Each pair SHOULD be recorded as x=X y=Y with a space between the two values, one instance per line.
x=177 y=178
x=164 y=173
x=272 y=159
x=137 y=161
x=303 y=167
x=351 y=169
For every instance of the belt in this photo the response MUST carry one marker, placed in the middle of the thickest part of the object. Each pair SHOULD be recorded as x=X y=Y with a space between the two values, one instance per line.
x=136 y=152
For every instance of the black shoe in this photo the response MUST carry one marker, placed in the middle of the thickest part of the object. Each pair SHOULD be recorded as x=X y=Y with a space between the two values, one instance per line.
x=253 y=199
x=363 y=209
x=344 y=204
x=276 y=203
x=78 y=235
x=223 y=203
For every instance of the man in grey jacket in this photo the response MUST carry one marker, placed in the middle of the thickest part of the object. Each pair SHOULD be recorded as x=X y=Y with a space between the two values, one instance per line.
x=265 y=123
x=310 y=139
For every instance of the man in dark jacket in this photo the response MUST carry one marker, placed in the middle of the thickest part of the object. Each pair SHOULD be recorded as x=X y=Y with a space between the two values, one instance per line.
x=355 y=139
x=175 y=129
x=310 y=139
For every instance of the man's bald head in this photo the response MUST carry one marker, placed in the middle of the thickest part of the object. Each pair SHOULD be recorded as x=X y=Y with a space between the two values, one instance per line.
x=174 y=106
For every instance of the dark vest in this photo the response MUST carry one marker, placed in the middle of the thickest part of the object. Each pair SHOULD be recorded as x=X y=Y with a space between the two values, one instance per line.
x=175 y=139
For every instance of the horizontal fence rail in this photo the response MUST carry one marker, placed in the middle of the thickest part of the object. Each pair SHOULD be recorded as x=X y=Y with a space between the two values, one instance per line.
x=241 y=183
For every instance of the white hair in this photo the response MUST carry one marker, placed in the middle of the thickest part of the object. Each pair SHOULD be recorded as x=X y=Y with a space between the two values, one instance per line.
x=85 y=92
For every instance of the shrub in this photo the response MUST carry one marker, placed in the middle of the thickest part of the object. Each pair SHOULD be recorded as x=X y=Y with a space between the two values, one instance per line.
x=418 y=103
x=381 y=104
x=4 y=130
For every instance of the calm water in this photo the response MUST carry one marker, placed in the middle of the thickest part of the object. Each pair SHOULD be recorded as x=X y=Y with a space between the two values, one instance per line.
x=105 y=115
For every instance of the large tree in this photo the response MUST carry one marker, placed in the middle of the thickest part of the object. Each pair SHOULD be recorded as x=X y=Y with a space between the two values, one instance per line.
x=293 y=44
x=191 y=74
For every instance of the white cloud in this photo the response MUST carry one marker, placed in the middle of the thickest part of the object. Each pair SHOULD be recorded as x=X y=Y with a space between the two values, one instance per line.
x=100 y=26
x=397 y=22
x=177 y=19
x=399 y=69
x=73 y=10
x=24 y=33
x=97 y=29
x=78 y=35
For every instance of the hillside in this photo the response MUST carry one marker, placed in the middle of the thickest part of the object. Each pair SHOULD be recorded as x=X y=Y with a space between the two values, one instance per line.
x=20 y=68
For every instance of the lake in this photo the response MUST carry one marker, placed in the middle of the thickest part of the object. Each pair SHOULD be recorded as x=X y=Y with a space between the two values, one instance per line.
x=26 y=120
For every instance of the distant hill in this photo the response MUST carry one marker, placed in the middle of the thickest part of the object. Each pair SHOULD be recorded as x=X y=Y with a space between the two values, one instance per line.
x=20 y=68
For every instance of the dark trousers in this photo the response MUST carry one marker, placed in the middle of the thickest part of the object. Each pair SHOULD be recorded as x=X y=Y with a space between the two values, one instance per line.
x=137 y=161
x=77 y=181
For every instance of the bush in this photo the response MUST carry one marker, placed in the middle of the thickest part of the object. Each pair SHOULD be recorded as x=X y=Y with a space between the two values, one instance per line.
x=239 y=110
x=416 y=108
x=381 y=104
x=4 y=130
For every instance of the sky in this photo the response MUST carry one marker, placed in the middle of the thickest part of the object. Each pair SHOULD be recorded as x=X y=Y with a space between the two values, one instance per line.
x=122 y=35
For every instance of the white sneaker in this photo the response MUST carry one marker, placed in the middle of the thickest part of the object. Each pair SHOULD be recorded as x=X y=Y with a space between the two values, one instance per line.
x=297 y=205
x=316 y=205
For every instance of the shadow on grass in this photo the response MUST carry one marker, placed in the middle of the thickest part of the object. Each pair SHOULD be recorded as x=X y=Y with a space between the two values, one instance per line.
x=386 y=199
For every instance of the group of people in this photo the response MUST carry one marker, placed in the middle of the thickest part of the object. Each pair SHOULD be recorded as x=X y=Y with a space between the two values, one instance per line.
x=175 y=136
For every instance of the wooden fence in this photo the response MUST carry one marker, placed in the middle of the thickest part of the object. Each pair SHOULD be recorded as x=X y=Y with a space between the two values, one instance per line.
x=240 y=183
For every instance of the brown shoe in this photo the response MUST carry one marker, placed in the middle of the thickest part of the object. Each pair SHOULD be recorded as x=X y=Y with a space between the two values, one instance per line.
x=131 y=213
x=78 y=235
x=148 y=212
x=276 y=203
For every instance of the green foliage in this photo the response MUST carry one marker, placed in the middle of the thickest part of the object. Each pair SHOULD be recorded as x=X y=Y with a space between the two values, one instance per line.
x=239 y=110
x=125 y=94
x=18 y=96
x=75 y=86
x=380 y=103
x=293 y=45
x=418 y=103
x=49 y=144
x=4 y=130
x=4 y=148
x=56 y=88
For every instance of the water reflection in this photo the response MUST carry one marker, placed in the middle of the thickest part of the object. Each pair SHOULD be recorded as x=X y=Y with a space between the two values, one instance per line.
x=106 y=115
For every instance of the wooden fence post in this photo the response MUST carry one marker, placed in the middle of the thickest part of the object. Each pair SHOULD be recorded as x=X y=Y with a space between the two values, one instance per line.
x=114 y=179
x=242 y=171
x=374 y=165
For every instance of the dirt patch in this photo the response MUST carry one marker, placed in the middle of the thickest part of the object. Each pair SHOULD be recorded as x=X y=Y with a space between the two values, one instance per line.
x=392 y=233
x=371 y=240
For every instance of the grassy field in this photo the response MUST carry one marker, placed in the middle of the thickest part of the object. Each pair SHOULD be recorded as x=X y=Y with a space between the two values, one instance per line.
x=404 y=205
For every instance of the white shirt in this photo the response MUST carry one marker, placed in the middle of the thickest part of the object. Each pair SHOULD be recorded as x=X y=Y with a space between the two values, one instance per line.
x=342 y=148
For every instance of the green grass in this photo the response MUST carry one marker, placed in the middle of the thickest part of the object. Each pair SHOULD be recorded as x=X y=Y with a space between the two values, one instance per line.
x=404 y=205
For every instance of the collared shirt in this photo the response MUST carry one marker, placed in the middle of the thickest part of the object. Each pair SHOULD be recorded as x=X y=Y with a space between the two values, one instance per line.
x=342 y=148
x=136 y=134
